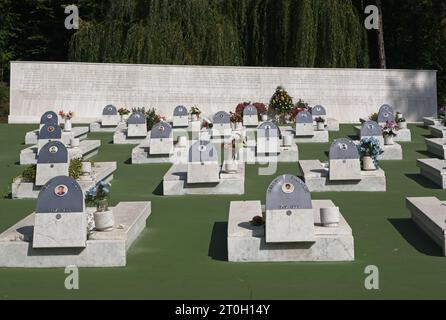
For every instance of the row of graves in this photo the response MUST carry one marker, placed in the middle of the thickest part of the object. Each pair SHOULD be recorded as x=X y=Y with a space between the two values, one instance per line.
x=63 y=231
x=50 y=131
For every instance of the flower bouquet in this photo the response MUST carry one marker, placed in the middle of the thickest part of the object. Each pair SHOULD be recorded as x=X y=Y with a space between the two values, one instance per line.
x=370 y=150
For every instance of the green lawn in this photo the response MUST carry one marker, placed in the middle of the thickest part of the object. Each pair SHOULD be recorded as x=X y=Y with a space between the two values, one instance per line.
x=182 y=254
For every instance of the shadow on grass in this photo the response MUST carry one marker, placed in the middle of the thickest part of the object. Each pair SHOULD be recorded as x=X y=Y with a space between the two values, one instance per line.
x=158 y=190
x=428 y=136
x=128 y=161
x=423 y=181
x=416 y=237
x=218 y=248
x=425 y=153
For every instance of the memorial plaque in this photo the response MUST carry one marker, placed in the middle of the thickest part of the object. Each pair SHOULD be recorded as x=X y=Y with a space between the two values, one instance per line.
x=60 y=218
x=344 y=161
x=180 y=117
x=137 y=125
x=52 y=161
x=222 y=123
x=48 y=133
x=386 y=114
x=318 y=111
x=372 y=129
x=49 y=118
x=250 y=116
x=304 y=124
x=161 y=139
x=268 y=138
x=203 y=164
x=289 y=211
x=110 y=116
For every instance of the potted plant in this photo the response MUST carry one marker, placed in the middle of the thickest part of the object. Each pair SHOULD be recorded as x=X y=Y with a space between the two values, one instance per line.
x=281 y=105
x=124 y=113
x=320 y=123
x=374 y=117
x=401 y=120
x=231 y=165
x=236 y=120
x=195 y=113
x=262 y=111
x=98 y=197
x=390 y=131
x=370 y=149
x=67 y=119
x=258 y=221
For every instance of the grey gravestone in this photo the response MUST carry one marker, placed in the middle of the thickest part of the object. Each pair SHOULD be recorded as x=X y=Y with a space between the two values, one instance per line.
x=318 y=111
x=161 y=139
x=289 y=211
x=386 y=114
x=222 y=122
x=304 y=124
x=180 y=117
x=48 y=133
x=52 y=161
x=371 y=129
x=49 y=118
x=268 y=138
x=386 y=107
x=344 y=161
x=60 y=219
x=203 y=164
x=250 y=116
x=137 y=125
x=110 y=117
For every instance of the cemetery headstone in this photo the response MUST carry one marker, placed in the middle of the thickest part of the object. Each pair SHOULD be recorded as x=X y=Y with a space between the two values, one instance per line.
x=49 y=118
x=161 y=139
x=371 y=129
x=137 y=125
x=48 y=133
x=250 y=116
x=268 y=138
x=318 y=111
x=60 y=218
x=110 y=117
x=52 y=161
x=385 y=114
x=180 y=117
x=304 y=124
x=289 y=211
x=222 y=122
x=203 y=164
x=344 y=161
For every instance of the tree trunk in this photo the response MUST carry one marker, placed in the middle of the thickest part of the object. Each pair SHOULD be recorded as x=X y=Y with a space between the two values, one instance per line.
x=380 y=35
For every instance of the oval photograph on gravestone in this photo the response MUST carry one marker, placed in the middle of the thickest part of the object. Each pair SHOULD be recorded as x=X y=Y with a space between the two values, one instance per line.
x=50 y=118
x=180 y=111
x=61 y=194
x=161 y=130
x=50 y=132
x=304 y=117
x=371 y=129
x=343 y=149
x=222 y=117
x=268 y=129
x=288 y=192
x=318 y=111
x=53 y=152
x=203 y=151
x=110 y=110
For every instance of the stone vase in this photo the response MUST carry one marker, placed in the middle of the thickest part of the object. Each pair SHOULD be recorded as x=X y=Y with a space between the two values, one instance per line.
x=182 y=141
x=124 y=117
x=330 y=217
x=75 y=142
x=104 y=220
x=194 y=117
x=368 y=164
x=231 y=166
x=389 y=140
x=264 y=117
x=403 y=125
x=68 y=125
x=287 y=140
x=320 y=126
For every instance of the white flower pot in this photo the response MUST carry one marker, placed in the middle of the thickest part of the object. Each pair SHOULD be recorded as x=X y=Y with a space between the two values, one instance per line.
x=320 y=126
x=182 y=141
x=287 y=140
x=264 y=117
x=231 y=166
x=104 y=221
x=389 y=141
x=403 y=125
x=239 y=126
x=68 y=126
x=124 y=117
x=330 y=217
x=75 y=142
x=194 y=117
x=368 y=164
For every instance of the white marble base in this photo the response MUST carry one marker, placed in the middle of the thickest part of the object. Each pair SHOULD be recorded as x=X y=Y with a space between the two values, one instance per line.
x=31 y=137
x=390 y=152
x=438 y=131
x=175 y=183
x=141 y=154
x=104 y=249
x=97 y=127
x=316 y=177
x=431 y=121
x=249 y=154
x=403 y=135
x=101 y=171
x=434 y=170
x=318 y=137
x=120 y=137
x=246 y=243
x=86 y=150
x=429 y=214
x=437 y=146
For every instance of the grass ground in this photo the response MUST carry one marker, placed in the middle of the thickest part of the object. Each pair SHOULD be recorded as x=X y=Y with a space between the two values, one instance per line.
x=182 y=253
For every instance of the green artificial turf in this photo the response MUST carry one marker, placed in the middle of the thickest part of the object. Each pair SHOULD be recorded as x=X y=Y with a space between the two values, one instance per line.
x=182 y=254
